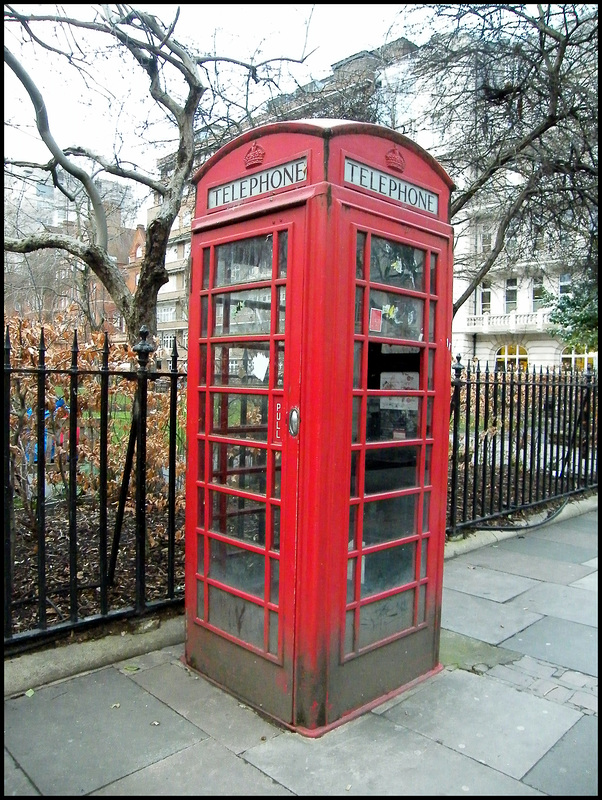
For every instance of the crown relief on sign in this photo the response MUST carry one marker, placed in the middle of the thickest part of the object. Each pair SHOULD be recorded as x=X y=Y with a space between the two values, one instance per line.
x=254 y=156
x=395 y=160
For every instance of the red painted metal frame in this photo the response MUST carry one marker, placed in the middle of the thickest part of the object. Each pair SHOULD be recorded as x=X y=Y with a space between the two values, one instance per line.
x=313 y=684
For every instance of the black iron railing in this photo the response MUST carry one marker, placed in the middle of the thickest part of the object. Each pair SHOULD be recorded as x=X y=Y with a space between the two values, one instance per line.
x=519 y=440
x=79 y=547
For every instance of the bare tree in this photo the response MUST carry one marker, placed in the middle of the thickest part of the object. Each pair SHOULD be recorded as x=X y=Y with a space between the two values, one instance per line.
x=178 y=81
x=513 y=98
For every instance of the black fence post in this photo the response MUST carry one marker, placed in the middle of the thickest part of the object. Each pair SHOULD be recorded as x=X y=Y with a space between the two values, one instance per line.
x=457 y=385
x=41 y=486
x=8 y=497
x=143 y=350
x=171 y=492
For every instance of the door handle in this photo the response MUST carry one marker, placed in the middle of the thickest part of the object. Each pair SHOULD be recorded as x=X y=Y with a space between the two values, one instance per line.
x=293 y=421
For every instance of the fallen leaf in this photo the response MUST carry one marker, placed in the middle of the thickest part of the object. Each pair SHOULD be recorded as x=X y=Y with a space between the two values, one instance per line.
x=116 y=705
x=29 y=693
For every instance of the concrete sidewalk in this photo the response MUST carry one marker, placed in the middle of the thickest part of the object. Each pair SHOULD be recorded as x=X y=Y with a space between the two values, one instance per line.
x=513 y=712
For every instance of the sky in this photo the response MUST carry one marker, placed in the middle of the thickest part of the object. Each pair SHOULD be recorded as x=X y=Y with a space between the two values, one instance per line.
x=335 y=32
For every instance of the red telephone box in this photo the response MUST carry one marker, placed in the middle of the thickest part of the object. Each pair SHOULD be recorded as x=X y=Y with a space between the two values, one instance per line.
x=318 y=405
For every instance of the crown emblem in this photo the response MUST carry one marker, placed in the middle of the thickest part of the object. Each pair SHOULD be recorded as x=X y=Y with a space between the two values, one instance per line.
x=395 y=160
x=254 y=156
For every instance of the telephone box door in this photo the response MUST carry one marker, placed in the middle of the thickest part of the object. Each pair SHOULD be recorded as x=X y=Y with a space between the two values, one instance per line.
x=398 y=442
x=243 y=468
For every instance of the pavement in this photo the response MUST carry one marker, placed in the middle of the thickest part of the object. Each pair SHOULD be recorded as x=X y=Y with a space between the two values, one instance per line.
x=514 y=711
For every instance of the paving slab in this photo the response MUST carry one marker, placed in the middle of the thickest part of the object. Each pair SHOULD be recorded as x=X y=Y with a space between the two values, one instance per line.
x=582 y=538
x=568 y=644
x=232 y=723
x=16 y=783
x=373 y=756
x=569 y=768
x=92 y=730
x=542 y=569
x=204 y=769
x=551 y=549
x=483 y=582
x=482 y=619
x=589 y=582
x=564 y=602
x=525 y=726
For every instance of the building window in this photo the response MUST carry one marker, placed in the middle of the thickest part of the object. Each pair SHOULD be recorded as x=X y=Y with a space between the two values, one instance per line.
x=511 y=356
x=167 y=340
x=578 y=359
x=537 y=294
x=485 y=297
x=511 y=294
x=166 y=313
x=486 y=242
x=564 y=284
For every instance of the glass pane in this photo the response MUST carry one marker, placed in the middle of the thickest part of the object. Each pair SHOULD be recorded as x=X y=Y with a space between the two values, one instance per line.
x=352 y=527
x=276 y=529
x=432 y=307
x=282 y=253
x=388 y=568
x=354 y=476
x=237 y=567
x=396 y=264
x=423 y=557
x=351 y=562
x=386 y=617
x=429 y=417
x=200 y=555
x=240 y=467
x=396 y=316
x=238 y=517
x=202 y=364
x=201 y=427
x=390 y=469
x=355 y=418
x=392 y=418
x=236 y=616
x=245 y=261
x=204 y=308
x=205 y=274
x=201 y=460
x=277 y=473
x=200 y=511
x=279 y=346
x=359 y=254
x=431 y=371
x=387 y=520
x=281 y=292
x=274 y=581
x=433 y=273
x=359 y=309
x=241 y=365
x=243 y=416
x=357 y=365
x=428 y=455
x=426 y=502
x=242 y=313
